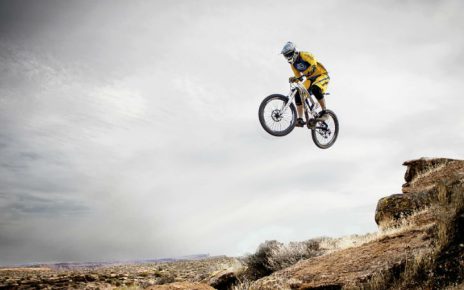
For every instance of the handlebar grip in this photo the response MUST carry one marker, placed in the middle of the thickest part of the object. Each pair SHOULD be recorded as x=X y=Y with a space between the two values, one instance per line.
x=300 y=78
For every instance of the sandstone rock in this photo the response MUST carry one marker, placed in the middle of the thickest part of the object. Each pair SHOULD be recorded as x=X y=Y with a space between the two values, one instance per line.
x=393 y=208
x=419 y=170
x=182 y=286
x=226 y=277
x=424 y=178
x=223 y=279
x=91 y=277
x=423 y=165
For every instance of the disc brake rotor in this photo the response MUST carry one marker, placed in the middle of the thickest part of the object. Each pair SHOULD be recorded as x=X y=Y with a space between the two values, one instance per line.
x=276 y=115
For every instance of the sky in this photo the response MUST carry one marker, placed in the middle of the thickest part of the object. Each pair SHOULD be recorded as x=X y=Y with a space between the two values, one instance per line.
x=129 y=129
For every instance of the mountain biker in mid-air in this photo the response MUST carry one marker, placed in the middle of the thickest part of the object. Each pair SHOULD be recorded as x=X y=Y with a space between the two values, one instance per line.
x=317 y=80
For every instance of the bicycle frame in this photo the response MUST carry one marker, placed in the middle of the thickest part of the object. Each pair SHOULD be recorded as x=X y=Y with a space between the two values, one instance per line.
x=275 y=108
x=298 y=87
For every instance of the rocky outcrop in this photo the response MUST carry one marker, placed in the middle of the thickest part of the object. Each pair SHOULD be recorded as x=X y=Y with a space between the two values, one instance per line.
x=182 y=286
x=222 y=280
x=418 y=171
x=424 y=177
x=392 y=209
x=420 y=244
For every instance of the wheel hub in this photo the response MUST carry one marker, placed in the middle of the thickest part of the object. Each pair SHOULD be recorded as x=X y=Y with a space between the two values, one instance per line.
x=276 y=115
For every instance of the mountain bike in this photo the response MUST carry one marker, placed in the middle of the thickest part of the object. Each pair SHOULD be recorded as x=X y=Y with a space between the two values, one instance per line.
x=277 y=114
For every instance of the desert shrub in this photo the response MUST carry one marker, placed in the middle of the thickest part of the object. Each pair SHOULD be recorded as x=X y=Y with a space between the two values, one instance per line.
x=284 y=256
x=242 y=285
x=258 y=263
x=166 y=278
x=272 y=256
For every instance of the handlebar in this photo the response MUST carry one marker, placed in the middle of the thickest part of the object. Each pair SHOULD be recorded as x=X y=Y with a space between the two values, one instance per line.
x=300 y=78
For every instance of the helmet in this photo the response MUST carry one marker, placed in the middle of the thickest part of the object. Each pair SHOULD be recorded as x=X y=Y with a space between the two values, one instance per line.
x=289 y=52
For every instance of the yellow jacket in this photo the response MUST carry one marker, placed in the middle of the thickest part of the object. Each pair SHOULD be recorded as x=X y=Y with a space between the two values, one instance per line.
x=307 y=64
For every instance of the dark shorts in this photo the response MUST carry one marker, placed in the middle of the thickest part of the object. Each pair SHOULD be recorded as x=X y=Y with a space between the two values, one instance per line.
x=315 y=90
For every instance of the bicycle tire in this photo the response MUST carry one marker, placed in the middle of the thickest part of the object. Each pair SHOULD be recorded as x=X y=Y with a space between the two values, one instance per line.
x=262 y=117
x=319 y=131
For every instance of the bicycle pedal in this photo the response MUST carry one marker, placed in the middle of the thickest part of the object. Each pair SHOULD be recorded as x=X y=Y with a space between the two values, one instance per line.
x=300 y=123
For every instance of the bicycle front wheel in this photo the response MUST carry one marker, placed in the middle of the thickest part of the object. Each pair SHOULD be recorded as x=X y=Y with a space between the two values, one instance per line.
x=325 y=133
x=274 y=120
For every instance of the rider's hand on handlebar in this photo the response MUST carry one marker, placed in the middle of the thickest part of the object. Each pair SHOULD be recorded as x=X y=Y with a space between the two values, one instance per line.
x=292 y=79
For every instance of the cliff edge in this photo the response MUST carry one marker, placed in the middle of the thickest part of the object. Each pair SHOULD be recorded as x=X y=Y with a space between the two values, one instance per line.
x=420 y=243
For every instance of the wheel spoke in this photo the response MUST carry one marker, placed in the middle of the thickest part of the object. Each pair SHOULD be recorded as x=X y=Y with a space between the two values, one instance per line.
x=274 y=119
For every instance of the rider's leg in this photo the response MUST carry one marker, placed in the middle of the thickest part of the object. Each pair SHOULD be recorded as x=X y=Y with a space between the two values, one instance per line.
x=319 y=88
x=322 y=103
x=317 y=92
x=299 y=109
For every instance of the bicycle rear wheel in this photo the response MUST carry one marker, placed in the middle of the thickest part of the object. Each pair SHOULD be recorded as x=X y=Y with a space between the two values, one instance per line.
x=325 y=133
x=273 y=119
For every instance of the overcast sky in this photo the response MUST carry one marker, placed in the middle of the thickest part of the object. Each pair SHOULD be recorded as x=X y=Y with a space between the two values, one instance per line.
x=129 y=129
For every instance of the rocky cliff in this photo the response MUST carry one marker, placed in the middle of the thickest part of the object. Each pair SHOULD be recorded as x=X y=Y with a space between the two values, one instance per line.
x=420 y=243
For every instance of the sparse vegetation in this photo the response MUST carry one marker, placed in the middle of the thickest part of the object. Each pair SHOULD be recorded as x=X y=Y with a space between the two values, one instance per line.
x=242 y=285
x=119 y=276
x=272 y=256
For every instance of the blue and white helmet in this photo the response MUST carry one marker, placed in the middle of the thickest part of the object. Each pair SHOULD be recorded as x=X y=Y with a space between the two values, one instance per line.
x=289 y=52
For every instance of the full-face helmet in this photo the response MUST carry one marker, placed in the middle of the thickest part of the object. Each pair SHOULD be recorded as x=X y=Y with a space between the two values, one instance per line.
x=289 y=52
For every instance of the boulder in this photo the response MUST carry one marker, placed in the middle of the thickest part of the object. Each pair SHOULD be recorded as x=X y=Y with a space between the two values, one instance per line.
x=224 y=279
x=392 y=209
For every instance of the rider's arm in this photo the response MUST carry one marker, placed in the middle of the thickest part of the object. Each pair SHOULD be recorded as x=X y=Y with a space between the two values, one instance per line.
x=295 y=71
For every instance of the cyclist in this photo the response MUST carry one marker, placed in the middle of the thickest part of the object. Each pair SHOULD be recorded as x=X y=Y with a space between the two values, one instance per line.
x=317 y=80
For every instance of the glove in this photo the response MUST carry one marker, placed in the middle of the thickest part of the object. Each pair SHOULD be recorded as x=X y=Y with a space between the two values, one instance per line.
x=292 y=79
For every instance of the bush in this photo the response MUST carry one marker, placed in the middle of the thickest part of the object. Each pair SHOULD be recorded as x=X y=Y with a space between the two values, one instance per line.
x=272 y=256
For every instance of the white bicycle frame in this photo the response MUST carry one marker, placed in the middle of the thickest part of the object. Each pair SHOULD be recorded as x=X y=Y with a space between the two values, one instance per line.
x=298 y=87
